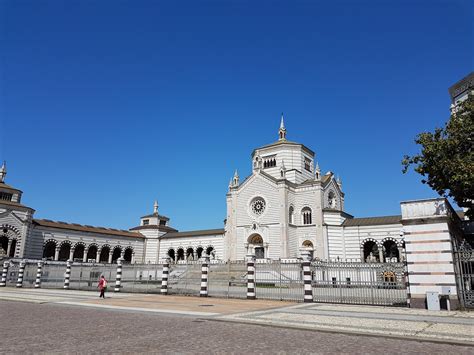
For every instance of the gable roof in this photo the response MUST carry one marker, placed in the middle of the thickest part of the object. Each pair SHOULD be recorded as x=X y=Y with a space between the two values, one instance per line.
x=84 y=228
x=372 y=221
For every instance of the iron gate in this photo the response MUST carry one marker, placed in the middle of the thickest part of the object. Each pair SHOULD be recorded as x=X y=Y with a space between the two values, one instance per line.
x=359 y=283
x=464 y=261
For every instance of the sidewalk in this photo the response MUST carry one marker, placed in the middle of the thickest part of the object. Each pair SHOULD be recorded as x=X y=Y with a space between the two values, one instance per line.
x=447 y=327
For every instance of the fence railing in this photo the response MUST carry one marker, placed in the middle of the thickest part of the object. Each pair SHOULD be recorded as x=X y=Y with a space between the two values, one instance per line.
x=333 y=282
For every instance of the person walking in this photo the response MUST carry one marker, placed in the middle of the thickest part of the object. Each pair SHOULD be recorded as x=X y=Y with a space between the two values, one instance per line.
x=102 y=286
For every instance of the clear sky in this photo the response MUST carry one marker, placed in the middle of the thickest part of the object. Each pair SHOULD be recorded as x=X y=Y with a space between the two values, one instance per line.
x=108 y=105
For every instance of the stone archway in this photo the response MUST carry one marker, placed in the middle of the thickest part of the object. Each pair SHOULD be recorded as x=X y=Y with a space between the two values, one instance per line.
x=255 y=246
x=64 y=251
x=49 y=249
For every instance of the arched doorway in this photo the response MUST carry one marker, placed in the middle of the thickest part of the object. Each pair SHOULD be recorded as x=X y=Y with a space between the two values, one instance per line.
x=210 y=252
x=190 y=254
x=64 y=250
x=180 y=255
x=127 y=256
x=171 y=254
x=199 y=251
x=4 y=244
x=104 y=254
x=371 y=251
x=49 y=249
x=256 y=246
x=92 y=253
x=308 y=246
x=78 y=252
x=391 y=253
x=116 y=254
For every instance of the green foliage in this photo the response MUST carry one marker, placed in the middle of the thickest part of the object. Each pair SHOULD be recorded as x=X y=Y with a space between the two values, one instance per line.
x=446 y=161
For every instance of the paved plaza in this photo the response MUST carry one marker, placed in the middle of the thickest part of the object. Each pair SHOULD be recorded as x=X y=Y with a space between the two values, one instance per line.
x=58 y=321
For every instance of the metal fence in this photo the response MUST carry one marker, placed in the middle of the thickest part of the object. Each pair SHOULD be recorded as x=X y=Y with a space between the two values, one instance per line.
x=228 y=279
x=464 y=266
x=184 y=279
x=332 y=282
x=277 y=280
x=359 y=283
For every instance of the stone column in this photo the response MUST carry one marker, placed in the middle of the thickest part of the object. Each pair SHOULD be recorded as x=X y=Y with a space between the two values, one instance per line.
x=118 y=277
x=204 y=275
x=381 y=254
x=6 y=264
x=21 y=271
x=9 y=247
x=132 y=261
x=39 y=272
x=71 y=253
x=362 y=255
x=251 y=294
x=164 y=277
x=307 y=279
x=97 y=256
x=401 y=254
x=67 y=275
x=110 y=257
x=56 y=253
x=84 y=256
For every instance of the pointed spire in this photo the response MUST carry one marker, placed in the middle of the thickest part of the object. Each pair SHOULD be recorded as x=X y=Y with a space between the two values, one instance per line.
x=317 y=172
x=155 y=207
x=3 y=171
x=282 y=130
x=235 y=180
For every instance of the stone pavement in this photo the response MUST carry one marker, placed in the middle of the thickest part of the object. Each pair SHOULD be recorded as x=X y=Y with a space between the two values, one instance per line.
x=448 y=327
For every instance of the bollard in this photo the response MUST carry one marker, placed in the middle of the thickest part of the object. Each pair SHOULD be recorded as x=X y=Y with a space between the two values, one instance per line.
x=67 y=276
x=6 y=264
x=39 y=272
x=118 y=277
x=307 y=280
x=251 y=277
x=19 y=282
x=204 y=275
x=164 y=277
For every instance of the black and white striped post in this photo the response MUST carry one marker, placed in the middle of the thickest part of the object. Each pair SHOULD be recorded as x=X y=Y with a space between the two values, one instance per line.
x=118 y=276
x=204 y=275
x=3 y=282
x=164 y=277
x=307 y=279
x=67 y=275
x=251 y=277
x=21 y=271
x=39 y=272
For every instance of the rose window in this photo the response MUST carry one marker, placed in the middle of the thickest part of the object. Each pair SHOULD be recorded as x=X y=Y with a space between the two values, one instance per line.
x=258 y=206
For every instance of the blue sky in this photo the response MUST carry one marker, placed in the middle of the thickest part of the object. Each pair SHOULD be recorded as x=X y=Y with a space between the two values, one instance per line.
x=108 y=105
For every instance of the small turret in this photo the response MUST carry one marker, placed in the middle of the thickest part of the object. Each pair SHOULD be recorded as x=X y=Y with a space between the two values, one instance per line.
x=155 y=207
x=339 y=182
x=282 y=130
x=235 y=180
x=317 y=172
x=3 y=171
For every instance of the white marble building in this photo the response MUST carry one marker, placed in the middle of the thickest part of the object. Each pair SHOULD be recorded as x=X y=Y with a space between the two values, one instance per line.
x=285 y=205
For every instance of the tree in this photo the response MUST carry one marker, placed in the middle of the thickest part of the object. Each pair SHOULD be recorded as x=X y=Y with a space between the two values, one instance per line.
x=446 y=161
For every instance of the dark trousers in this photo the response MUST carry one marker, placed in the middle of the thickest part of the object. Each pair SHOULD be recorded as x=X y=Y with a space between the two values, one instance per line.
x=102 y=293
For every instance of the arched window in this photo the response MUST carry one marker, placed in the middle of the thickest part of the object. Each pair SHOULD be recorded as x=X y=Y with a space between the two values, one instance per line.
x=49 y=249
x=306 y=215
x=171 y=254
x=64 y=249
x=291 y=215
x=180 y=254
x=92 y=252
x=104 y=254
x=391 y=251
x=190 y=254
x=127 y=256
x=116 y=254
x=371 y=251
x=331 y=199
x=199 y=251
x=78 y=252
